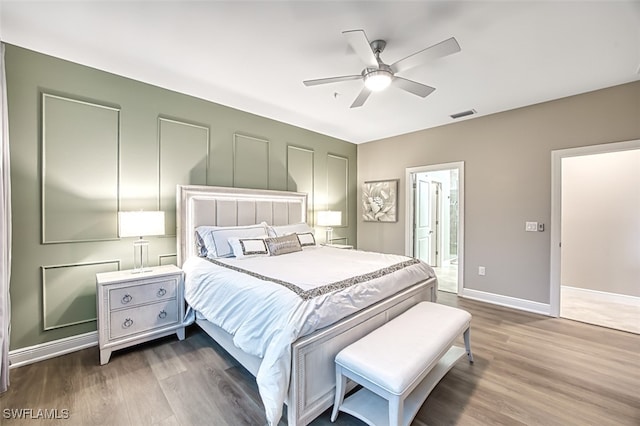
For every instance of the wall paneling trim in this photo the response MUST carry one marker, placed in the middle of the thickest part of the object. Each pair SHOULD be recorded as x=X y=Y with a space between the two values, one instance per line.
x=69 y=292
x=183 y=150
x=301 y=175
x=250 y=162
x=80 y=150
x=338 y=186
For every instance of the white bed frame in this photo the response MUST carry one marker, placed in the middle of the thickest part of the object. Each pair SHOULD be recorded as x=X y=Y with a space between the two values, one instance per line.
x=312 y=384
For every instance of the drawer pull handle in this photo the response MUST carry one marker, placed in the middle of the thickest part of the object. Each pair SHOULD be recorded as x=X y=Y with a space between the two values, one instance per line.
x=162 y=292
x=162 y=314
x=126 y=299
x=127 y=323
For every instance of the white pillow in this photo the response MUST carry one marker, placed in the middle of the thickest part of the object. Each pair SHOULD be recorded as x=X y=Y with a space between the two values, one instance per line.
x=296 y=228
x=213 y=241
x=248 y=247
x=306 y=239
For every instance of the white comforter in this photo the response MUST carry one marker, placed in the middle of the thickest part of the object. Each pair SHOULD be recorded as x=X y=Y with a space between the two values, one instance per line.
x=280 y=298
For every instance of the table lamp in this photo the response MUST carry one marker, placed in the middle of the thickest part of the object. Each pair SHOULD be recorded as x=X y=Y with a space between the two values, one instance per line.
x=329 y=218
x=140 y=224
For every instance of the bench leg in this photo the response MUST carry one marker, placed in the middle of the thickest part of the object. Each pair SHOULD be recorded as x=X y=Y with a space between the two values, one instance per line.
x=341 y=386
x=396 y=409
x=467 y=345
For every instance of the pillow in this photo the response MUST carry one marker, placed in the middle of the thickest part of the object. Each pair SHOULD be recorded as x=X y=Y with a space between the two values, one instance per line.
x=283 y=245
x=306 y=239
x=248 y=247
x=296 y=228
x=213 y=241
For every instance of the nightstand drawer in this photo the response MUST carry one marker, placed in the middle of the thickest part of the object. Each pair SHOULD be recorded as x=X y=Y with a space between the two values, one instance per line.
x=142 y=318
x=135 y=295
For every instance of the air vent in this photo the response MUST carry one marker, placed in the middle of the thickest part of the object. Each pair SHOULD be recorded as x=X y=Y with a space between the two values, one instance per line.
x=463 y=114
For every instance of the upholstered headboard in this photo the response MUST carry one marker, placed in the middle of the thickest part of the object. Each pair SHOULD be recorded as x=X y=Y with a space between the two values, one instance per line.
x=221 y=206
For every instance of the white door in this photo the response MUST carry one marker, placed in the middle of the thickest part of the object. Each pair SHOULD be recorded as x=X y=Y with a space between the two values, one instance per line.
x=427 y=194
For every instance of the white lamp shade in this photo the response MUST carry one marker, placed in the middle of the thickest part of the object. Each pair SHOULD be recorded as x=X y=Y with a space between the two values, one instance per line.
x=140 y=224
x=329 y=218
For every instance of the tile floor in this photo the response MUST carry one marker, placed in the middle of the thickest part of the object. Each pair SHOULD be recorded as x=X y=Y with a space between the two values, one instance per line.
x=447 y=278
x=604 y=309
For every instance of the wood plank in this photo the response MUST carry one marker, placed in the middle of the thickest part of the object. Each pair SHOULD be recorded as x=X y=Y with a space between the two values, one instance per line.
x=163 y=361
x=142 y=389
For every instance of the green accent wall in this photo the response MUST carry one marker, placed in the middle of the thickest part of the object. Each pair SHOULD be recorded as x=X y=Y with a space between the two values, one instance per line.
x=85 y=144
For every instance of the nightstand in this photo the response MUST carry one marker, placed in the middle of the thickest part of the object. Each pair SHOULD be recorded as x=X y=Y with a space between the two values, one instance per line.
x=137 y=307
x=340 y=246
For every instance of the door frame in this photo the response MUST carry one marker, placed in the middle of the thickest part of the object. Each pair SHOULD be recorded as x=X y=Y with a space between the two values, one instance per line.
x=409 y=209
x=556 y=209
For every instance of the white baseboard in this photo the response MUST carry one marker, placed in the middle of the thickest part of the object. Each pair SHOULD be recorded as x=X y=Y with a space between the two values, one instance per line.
x=31 y=354
x=624 y=299
x=507 y=301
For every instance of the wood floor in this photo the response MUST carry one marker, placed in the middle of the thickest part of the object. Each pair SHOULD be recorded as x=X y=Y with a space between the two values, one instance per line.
x=529 y=370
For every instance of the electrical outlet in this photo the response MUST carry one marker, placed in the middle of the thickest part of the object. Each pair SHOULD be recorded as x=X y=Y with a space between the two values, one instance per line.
x=531 y=226
x=481 y=270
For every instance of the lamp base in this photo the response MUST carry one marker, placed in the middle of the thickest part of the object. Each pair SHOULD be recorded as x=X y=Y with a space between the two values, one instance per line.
x=140 y=256
x=329 y=236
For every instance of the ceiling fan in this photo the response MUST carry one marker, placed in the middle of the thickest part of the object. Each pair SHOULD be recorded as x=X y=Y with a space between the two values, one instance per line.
x=377 y=75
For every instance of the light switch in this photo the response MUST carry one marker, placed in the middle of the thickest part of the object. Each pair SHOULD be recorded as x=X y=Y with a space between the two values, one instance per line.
x=531 y=226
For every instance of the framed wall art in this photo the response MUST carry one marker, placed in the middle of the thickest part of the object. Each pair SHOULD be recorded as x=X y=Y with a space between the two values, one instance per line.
x=380 y=200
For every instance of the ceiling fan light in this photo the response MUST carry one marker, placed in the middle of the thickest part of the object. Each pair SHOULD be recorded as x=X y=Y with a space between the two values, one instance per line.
x=377 y=80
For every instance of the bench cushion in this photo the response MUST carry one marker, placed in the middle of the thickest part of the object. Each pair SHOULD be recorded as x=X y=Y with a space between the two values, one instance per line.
x=406 y=348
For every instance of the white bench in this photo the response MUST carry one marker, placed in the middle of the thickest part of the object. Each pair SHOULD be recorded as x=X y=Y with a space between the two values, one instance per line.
x=400 y=363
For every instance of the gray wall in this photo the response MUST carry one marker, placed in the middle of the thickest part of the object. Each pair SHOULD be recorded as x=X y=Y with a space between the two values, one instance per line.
x=507 y=160
x=85 y=144
x=601 y=222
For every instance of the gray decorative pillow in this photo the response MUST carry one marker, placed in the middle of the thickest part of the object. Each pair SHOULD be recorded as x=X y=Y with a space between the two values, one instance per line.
x=283 y=245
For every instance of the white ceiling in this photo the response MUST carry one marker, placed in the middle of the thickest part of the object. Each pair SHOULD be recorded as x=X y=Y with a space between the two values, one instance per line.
x=254 y=55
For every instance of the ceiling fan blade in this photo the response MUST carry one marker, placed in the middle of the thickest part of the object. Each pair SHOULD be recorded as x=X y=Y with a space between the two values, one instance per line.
x=358 y=41
x=319 y=81
x=414 y=87
x=444 y=48
x=362 y=98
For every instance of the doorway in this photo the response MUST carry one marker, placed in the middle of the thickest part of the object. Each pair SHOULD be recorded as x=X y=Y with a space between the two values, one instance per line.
x=428 y=219
x=434 y=224
x=595 y=235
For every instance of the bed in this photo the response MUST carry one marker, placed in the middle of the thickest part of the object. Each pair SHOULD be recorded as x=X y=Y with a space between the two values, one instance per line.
x=308 y=380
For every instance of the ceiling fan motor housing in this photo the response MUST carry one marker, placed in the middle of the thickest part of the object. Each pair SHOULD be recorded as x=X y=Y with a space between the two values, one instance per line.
x=378 y=46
